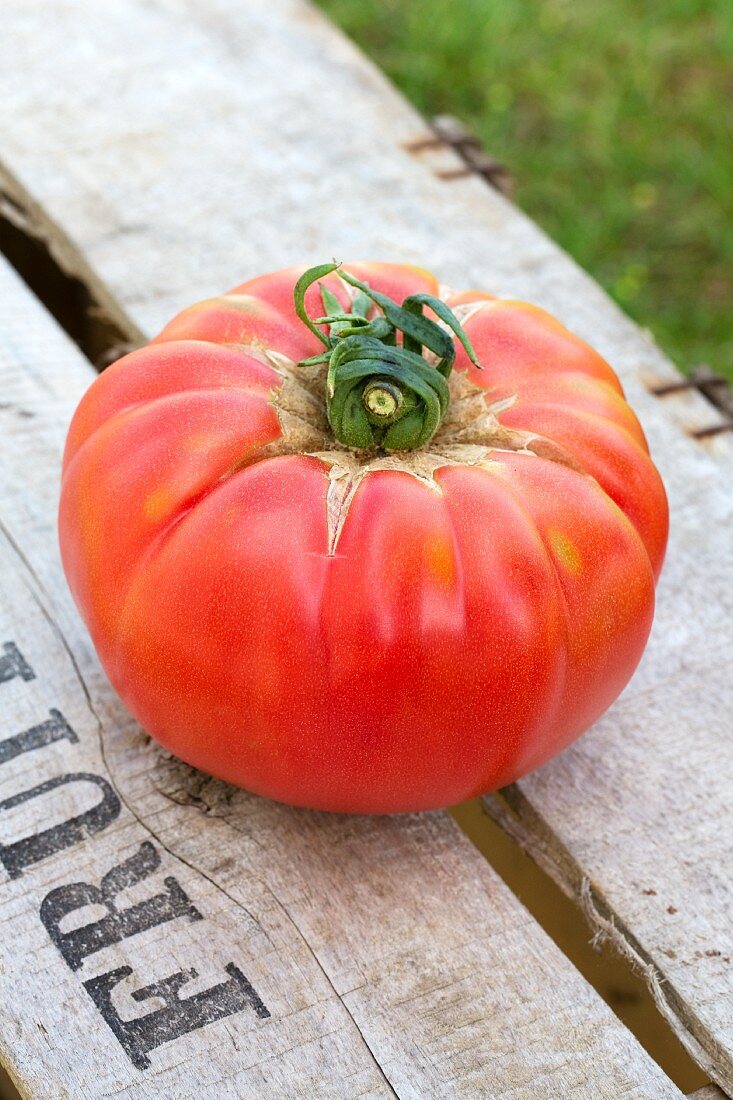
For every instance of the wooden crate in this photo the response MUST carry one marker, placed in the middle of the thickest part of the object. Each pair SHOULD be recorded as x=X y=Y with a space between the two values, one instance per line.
x=164 y=935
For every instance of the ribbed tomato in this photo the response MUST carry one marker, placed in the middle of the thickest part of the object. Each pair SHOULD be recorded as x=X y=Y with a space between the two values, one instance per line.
x=369 y=628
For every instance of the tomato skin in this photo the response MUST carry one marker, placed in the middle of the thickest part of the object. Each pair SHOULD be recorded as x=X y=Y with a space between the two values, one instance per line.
x=440 y=637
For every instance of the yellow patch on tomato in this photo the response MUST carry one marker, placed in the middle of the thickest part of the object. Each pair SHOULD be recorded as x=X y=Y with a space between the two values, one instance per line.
x=158 y=504
x=195 y=442
x=564 y=551
x=440 y=559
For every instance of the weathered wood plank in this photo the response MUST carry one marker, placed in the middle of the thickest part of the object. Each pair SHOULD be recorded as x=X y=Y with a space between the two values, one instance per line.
x=156 y=134
x=384 y=955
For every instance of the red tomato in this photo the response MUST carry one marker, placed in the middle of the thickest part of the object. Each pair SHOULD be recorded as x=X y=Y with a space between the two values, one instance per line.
x=358 y=631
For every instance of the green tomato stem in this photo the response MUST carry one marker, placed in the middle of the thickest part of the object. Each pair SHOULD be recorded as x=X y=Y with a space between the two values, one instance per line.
x=381 y=392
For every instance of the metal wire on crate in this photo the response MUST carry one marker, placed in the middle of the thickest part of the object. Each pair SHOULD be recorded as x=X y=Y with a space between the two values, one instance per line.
x=449 y=131
x=712 y=386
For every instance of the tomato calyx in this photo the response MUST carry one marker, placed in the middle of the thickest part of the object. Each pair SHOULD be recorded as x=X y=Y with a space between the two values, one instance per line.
x=381 y=393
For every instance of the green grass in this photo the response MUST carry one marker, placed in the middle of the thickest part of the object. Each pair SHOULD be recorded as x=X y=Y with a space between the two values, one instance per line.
x=616 y=119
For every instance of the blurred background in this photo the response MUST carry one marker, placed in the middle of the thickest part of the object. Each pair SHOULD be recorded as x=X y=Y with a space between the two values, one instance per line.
x=615 y=118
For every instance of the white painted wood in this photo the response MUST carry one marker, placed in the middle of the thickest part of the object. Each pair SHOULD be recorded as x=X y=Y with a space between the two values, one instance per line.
x=184 y=147
x=390 y=957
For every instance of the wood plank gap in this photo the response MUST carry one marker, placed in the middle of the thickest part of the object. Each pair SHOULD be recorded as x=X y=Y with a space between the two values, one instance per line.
x=610 y=973
x=52 y=266
x=8 y=1090
x=519 y=819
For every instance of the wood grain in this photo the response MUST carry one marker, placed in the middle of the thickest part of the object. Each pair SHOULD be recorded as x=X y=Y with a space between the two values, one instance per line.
x=183 y=149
